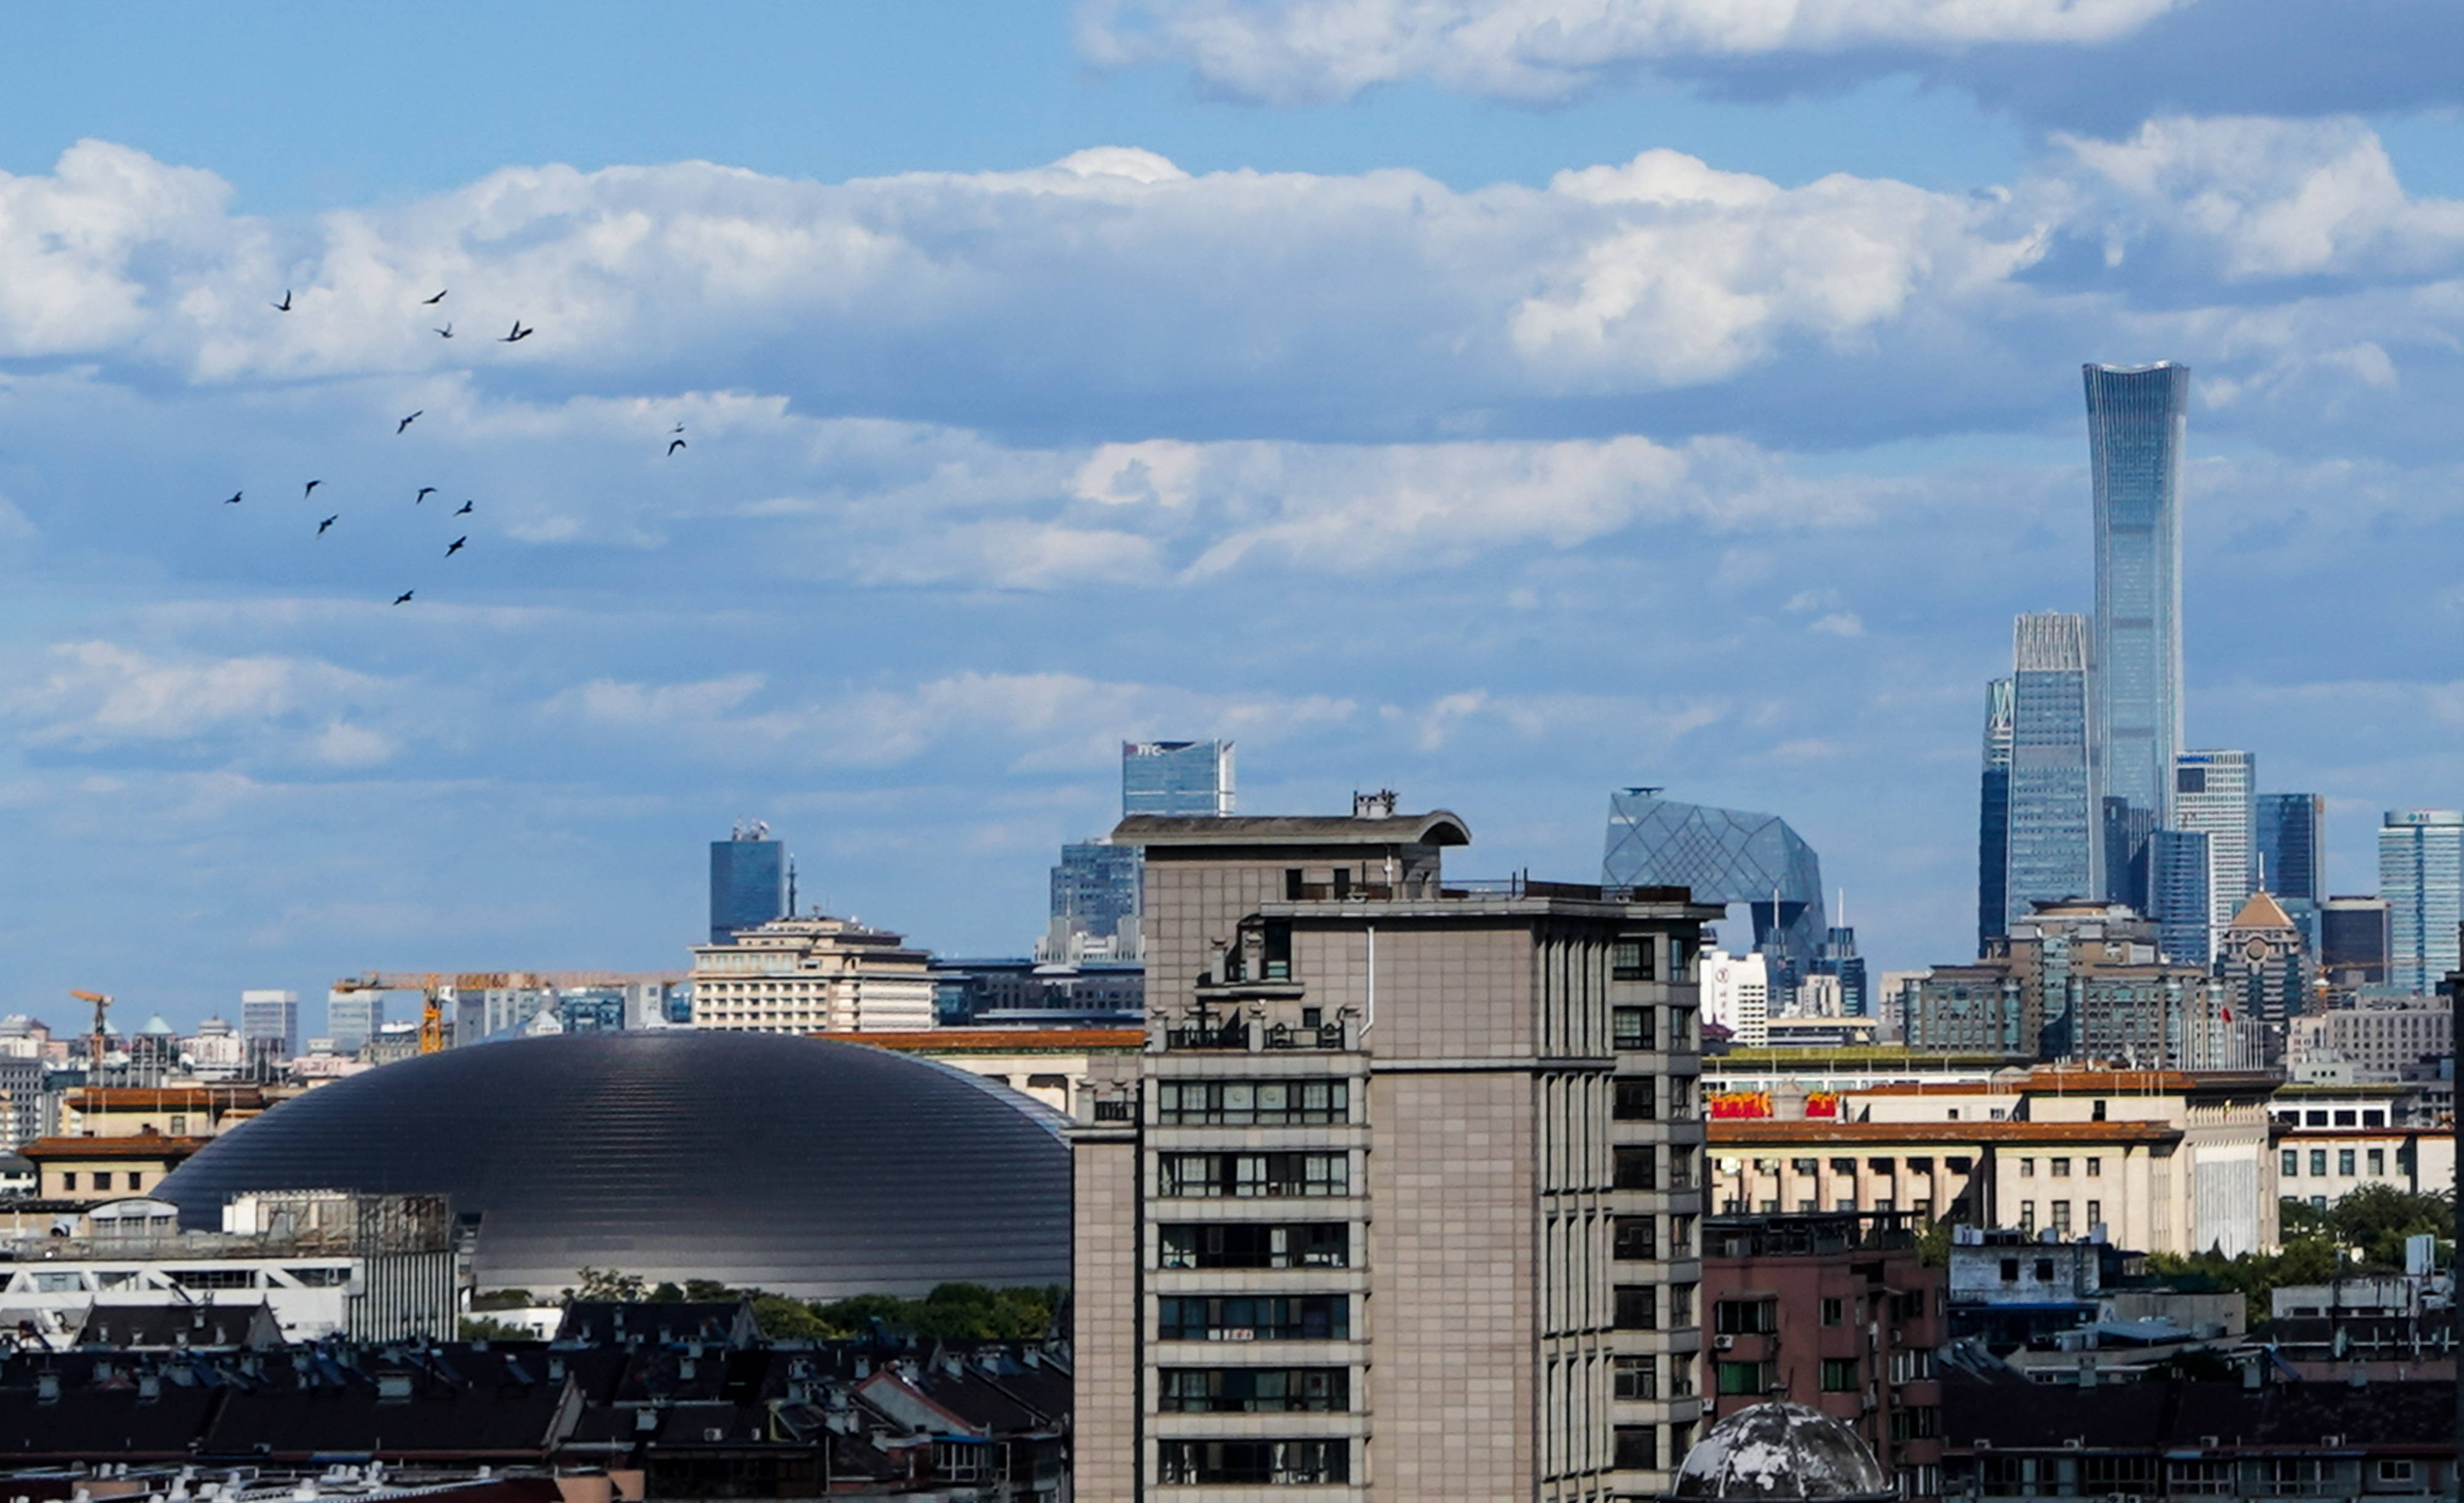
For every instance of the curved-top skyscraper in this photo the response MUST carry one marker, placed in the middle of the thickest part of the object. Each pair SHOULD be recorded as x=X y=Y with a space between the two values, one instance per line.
x=2136 y=423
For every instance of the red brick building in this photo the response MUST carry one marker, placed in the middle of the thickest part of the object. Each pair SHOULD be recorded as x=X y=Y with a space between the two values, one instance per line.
x=1834 y=1312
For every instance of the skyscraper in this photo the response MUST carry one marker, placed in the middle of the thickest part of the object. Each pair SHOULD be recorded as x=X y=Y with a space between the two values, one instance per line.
x=2353 y=942
x=2213 y=794
x=1994 y=818
x=270 y=1020
x=1724 y=856
x=2293 y=845
x=2421 y=875
x=1095 y=902
x=2056 y=790
x=2137 y=418
x=1188 y=779
x=2178 y=895
x=748 y=881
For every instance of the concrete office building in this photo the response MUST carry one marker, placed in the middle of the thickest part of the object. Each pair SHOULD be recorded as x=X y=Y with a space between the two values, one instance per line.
x=2137 y=424
x=1176 y=779
x=270 y=1020
x=2376 y=1040
x=2421 y=876
x=749 y=881
x=1736 y=995
x=2056 y=785
x=2213 y=796
x=812 y=975
x=1400 y=1200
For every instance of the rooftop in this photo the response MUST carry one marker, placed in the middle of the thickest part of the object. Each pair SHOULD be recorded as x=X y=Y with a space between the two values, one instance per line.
x=1003 y=1041
x=1437 y=827
x=1748 y=1131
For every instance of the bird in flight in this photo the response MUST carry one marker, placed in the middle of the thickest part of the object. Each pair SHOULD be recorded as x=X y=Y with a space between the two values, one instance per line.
x=519 y=334
x=284 y=306
x=433 y=302
x=328 y=522
x=446 y=332
x=675 y=445
x=678 y=428
x=312 y=487
x=404 y=596
x=457 y=545
x=234 y=498
x=407 y=422
x=425 y=492
x=466 y=508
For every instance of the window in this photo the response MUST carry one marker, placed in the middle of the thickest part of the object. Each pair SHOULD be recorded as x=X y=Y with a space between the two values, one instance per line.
x=1840 y=1375
x=1680 y=1236
x=2345 y=1161
x=2096 y=1166
x=135 y=1184
x=1638 y=1167
x=2061 y=1168
x=2317 y=1162
x=1635 y=1378
x=2044 y=1270
x=1271 y=1463
x=1958 y=1165
x=2096 y=1213
x=2062 y=1219
x=1834 y=1312
x=68 y=1180
x=1805 y=1166
x=1638 y=1447
x=1637 y=1099
x=1747 y=1316
x=1255 y=1245
x=2026 y=1168
x=2346 y=1119
x=1918 y=1422
x=1630 y=1028
x=1252 y=1104
x=2395 y=1471
x=1681 y=1166
x=2297 y=1475
x=1681 y=1305
x=1256 y=1390
x=1921 y=1481
x=2378 y=1161
x=1680 y=1375
x=2098 y=1112
x=2117 y=1473
x=1254 y=1317
x=1276 y=950
x=1633 y=961
x=1215 y=1176
x=1637 y=1306
x=1633 y=1239
x=2195 y=1478
x=2010 y=1271
x=2027 y=1216
x=2291 y=1168
x=102 y=1178
x=1912 y=1366
x=1730 y=1377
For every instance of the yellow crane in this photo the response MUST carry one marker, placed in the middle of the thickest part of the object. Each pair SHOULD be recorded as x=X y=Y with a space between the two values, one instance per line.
x=102 y=1035
x=432 y=985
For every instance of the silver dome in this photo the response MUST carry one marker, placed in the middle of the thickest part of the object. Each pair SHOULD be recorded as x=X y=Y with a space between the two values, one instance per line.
x=1781 y=1451
x=762 y=1161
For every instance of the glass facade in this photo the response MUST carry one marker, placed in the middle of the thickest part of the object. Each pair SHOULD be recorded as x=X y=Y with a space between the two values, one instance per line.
x=1188 y=779
x=271 y=1018
x=1725 y=856
x=1096 y=886
x=2293 y=845
x=2178 y=894
x=748 y=883
x=352 y=1018
x=2137 y=418
x=2213 y=794
x=2353 y=939
x=2421 y=877
x=2056 y=794
x=1994 y=818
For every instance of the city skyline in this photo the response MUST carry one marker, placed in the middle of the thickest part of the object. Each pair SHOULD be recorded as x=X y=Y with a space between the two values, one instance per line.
x=1703 y=428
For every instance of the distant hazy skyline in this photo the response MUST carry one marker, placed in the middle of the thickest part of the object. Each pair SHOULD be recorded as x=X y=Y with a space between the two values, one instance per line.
x=1503 y=402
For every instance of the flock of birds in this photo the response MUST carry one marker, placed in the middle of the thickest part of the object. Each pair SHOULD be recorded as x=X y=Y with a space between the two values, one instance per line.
x=519 y=333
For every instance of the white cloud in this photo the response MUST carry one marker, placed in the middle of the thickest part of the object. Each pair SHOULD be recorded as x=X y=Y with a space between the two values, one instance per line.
x=1294 y=51
x=100 y=693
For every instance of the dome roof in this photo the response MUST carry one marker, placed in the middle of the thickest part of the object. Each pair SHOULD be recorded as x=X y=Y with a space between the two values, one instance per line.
x=1781 y=1450
x=793 y=1165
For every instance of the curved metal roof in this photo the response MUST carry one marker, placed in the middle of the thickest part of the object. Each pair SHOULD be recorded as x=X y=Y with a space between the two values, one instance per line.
x=763 y=1160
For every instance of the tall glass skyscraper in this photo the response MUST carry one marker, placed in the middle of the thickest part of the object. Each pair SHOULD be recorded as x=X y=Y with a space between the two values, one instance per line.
x=2137 y=417
x=2421 y=876
x=2056 y=790
x=1994 y=818
x=2293 y=845
x=2177 y=896
x=748 y=881
x=1191 y=779
x=2212 y=795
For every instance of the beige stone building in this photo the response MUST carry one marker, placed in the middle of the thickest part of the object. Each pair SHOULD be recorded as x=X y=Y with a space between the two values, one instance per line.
x=1399 y=1201
x=812 y=975
x=1052 y=1065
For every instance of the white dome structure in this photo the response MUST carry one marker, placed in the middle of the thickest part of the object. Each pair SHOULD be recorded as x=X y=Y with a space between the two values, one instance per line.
x=1783 y=1454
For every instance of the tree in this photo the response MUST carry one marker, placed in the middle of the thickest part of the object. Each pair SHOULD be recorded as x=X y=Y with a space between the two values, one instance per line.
x=484 y=1328
x=611 y=1286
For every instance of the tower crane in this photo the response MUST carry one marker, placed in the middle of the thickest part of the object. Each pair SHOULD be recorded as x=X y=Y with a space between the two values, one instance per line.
x=101 y=1042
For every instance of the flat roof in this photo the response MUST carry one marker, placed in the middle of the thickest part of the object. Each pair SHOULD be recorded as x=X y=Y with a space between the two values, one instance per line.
x=1749 y=1130
x=1436 y=828
x=1001 y=1041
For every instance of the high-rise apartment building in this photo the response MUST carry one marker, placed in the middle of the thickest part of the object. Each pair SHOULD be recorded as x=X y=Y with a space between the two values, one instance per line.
x=2213 y=794
x=748 y=881
x=269 y=1022
x=1176 y=779
x=1994 y=818
x=2137 y=420
x=2056 y=790
x=2354 y=942
x=1400 y=1202
x=2292 y=845
x=2421 y=875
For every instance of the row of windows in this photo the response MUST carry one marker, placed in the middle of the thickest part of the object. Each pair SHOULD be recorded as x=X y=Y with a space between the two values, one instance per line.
x=2354 y=1117
x=101 y=1179
x=2093 y=1477
x=1639 y=1307
x=1637 y=1376
x=1638 y=1445
x=1882 y=1164
x=1253 y=1245
x=1255 y=1390
x=1637 y=1098
x=2061 y=1169
x=2345 y=1161
x=1254 y=1317
x=1242 y=1176
x=2061 y=1211
x=1638 y=1029
x=1252 y=1104
x=1637 y=1166
x=1302 y=1463
x=1840 y=1375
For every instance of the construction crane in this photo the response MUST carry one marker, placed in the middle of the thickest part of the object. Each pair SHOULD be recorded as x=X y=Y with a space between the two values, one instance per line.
x=101 y=1043
x=432 y=986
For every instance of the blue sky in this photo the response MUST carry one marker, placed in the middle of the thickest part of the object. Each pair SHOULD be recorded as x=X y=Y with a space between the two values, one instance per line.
x=1501 y=402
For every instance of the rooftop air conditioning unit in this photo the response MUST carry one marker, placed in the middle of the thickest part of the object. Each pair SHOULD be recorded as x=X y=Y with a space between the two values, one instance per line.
x=1722 y=1343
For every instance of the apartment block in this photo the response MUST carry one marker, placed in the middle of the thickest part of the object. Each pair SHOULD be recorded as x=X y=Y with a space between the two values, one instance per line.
x=1399 y=1201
